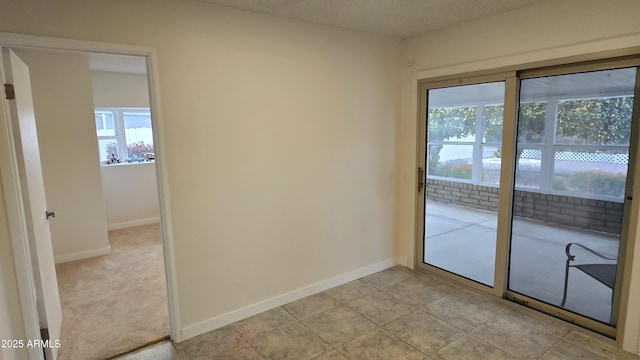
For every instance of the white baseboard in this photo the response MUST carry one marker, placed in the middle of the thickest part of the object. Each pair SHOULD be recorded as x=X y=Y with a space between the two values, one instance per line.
x=268 y=304
x=128 y=224
x=82 y=255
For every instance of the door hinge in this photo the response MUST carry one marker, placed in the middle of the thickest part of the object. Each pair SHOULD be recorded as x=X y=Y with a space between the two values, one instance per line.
x=9 y=91
x=44 y=334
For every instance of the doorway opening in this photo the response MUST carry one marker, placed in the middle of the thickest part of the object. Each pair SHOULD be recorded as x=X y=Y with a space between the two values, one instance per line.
x=109 y=255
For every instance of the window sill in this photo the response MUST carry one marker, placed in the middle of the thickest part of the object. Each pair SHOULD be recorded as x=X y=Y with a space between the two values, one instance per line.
x=124 y=163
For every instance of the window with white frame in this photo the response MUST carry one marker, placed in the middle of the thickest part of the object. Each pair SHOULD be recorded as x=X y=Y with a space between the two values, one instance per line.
x=574 y=146
x=464 y=133
x=124 y=135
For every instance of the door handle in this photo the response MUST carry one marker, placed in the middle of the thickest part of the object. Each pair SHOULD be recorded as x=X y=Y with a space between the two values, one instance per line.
x=49 y=214
x=420 y=179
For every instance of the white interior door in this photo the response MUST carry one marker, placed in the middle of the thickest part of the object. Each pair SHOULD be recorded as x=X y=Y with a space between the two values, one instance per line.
x=33 y=193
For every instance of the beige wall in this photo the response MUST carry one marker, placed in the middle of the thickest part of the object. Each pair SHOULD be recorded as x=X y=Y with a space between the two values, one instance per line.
x=278 y=137
x=112 y=89
x=61 y=87
x=130 y=191
x=548 y=30
x=131 y=194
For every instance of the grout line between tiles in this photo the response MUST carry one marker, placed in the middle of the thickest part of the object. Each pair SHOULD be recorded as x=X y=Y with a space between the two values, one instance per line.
x=554 y=345
x=402 y=340
x=386 y=289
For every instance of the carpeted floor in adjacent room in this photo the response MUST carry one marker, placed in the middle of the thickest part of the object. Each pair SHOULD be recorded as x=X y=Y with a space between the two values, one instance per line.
x=115 y=303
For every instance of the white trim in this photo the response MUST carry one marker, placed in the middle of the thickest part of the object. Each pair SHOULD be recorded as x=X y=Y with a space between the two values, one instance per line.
x=279 y=300
x=128 y=224
x=14 y=40
x=162 y=175
x=24 y=268
x=82 y=255
x=17 y=222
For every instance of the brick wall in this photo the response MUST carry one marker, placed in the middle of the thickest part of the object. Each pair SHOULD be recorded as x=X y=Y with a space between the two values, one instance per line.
x=597 y=215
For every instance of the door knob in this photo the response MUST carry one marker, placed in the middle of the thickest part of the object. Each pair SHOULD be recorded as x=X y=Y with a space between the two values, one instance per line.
x=50 y=214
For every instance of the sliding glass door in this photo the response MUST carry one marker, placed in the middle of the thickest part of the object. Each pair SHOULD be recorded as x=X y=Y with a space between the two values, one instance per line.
x=524 y=185
x=572 y=154
x=464 y=135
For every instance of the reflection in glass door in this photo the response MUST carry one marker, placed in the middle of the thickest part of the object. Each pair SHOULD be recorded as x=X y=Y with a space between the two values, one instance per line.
x=572 y=156
x=463 y=140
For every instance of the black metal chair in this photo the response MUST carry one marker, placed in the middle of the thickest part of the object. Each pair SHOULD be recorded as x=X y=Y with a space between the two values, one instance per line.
x=605 y=273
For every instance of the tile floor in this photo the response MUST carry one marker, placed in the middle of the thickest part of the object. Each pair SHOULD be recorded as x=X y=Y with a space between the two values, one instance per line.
x=393 y=314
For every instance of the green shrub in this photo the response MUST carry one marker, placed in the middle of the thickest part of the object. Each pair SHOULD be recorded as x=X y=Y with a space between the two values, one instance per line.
x=453 y=170
x=559 y=183
x=592 y=182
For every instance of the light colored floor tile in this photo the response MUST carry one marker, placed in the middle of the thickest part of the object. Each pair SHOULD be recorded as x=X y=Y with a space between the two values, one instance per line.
x=423 y=331
x=603 y=348
x=413 y=273
x=311 y=305
x=515 y=337
x=385 y=278
x=567 y=351
x=441 y=284
x=491 y=303
x=350 y=291
x=420 y=315
x=458 y=312
x=243 y=353
x=340 y=325
x=331 y=355
x=405 y=269
x=380 y=307
x=294 y=341
x=264 y=322
x=414 y=292
x=537 y=320
x=212 y=343
x=470 y=348
x=380 y=345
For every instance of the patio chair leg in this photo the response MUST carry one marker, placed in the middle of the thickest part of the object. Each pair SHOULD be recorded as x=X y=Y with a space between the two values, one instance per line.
x=566 y=283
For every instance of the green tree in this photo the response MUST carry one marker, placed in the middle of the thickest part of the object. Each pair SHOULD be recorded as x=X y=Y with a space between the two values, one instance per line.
x=531 y=119
x=604 y=121
x=460 y=122
x=444 y=124
x=493 y=119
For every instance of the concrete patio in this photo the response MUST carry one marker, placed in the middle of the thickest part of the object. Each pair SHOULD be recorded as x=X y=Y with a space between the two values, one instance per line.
x=463 y=241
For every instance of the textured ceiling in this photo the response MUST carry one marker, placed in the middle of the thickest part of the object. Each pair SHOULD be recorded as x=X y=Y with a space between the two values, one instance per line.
x=395 y=18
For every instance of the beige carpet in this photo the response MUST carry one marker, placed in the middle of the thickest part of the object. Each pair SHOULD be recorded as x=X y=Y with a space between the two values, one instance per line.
x=114 y=303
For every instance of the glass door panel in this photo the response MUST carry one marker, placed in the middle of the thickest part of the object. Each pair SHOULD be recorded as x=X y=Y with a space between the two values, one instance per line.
x=463 y=143
x=572 y=156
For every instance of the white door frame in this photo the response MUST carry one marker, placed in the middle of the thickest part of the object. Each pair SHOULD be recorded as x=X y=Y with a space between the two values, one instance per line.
x=13 y=195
